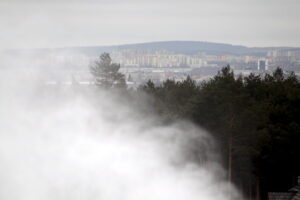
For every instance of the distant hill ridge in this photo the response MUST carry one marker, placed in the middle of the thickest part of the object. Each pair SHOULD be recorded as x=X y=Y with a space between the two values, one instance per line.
x=181 y=47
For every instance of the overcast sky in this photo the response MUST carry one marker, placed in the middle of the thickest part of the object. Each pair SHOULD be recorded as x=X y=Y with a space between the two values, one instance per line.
x=60 y=23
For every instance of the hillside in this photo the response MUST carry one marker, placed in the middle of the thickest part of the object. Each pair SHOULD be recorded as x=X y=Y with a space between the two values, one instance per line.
x=182 y=47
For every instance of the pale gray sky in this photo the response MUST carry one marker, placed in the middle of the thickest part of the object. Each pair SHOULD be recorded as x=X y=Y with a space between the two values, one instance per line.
x=60 y=23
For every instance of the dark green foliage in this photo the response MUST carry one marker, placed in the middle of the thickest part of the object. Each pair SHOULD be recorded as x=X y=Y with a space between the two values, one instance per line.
x=255 y=120
x=222 y=107
x=171 y=97
x=149 y=87
x=106 y=73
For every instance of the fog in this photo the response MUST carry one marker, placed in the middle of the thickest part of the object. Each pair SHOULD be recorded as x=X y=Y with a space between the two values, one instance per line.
x=68 y=142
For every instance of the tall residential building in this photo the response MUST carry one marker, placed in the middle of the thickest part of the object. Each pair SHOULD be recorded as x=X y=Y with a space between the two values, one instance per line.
x=262 y=64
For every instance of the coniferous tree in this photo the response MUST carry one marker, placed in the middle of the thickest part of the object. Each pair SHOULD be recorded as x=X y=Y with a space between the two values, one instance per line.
x=106 y=73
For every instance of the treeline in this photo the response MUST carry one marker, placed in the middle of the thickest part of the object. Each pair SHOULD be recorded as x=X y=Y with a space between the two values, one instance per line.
x=255 y=120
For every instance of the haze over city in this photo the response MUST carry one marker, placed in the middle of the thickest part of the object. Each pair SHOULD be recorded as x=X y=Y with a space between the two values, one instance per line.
x=149 y=100
x=44 y=24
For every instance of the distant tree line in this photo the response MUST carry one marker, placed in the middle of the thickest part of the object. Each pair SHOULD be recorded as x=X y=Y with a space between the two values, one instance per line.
x=255 y=120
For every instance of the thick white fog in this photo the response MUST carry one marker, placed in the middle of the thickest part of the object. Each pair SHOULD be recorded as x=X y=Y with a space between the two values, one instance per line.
x=71 y=143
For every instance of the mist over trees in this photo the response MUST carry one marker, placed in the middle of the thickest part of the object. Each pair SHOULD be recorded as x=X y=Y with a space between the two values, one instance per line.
x=255 y=120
